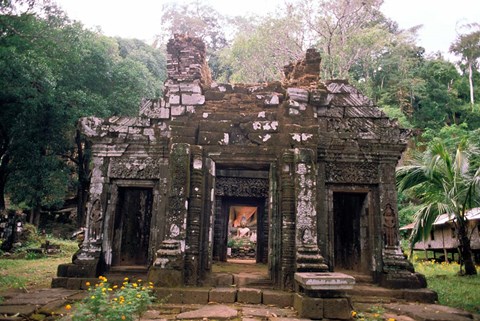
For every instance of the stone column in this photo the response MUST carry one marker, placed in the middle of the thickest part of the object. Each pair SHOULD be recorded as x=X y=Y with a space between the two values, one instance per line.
x=307 y=256
x=169 y=265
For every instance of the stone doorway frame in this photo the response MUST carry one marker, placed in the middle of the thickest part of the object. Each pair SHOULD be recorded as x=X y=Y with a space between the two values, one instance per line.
x=367 y=252
x=243 y=185
x=155 y=231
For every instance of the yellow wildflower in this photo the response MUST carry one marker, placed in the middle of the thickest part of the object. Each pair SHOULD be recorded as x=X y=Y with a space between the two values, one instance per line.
x=391 y=319
x=123 y=317
x=92 y=297
x=87 y=283
x=115 y=286
x=139 y=280
x=354 y=314
x=376 y=315
x=135 y=285
x=139 y=295
x=68 y=307
x=125 y=279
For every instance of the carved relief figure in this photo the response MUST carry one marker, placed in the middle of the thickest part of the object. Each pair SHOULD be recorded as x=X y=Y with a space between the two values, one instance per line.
x=307 y=237
x=96 y=220
x=389 y=226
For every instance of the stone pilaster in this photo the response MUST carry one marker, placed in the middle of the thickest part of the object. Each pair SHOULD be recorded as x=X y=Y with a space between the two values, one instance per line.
x=171 y=255
x=287 y=208
x=307 y=256
x=192 y=248
x=397 y=271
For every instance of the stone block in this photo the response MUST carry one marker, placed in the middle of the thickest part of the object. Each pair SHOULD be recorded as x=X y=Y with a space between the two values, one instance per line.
x=190 y=88
x=170 y=295
x=249 y=295
x=420 y=295
x=222 y=279
x=81 y=270
x=213 y=138
x=214 y=95
x=337 y=308
x=307 y=307
x=165 y=278
x=223 y=295
x=59 y=282
x=174 y=99
x=277 y=298
x=324 y=281
x=195 y=296
x=177 y=110
x=193 y=99
x=74 y=283
x=92 y=282
x=62 y=269
x=298 y=94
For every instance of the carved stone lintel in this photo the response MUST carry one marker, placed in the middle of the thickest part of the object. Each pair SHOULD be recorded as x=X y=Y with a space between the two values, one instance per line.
x=241 y=187
x=351 y=172
x=137 y=168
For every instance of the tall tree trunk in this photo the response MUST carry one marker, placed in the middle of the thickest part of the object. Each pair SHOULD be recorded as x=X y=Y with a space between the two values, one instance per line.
x=466 y=249
x=470 y=83
x=3 y=181
x=4 y=160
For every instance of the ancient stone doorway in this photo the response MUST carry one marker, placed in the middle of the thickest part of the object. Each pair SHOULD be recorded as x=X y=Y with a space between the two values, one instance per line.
x=131 y=233
x=351 y=240
x=241 y=230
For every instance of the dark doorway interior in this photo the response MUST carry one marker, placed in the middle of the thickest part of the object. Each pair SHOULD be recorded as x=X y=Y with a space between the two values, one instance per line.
x=241 y=230
x=132 y=226
x=350 y=219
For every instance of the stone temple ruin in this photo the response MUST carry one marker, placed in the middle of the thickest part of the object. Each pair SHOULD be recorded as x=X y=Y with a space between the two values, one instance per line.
x=300 y=172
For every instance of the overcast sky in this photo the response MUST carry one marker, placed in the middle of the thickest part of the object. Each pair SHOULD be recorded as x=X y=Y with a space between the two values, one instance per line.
x=141 y=18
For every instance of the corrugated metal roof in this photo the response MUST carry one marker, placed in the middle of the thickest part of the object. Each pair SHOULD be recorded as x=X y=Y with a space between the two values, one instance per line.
x=472 y=215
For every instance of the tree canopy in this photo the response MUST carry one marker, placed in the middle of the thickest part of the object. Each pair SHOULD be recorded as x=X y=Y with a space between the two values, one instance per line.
x=53 y=71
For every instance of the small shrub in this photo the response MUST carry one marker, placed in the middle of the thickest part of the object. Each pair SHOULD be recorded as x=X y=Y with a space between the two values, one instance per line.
x=111 y=303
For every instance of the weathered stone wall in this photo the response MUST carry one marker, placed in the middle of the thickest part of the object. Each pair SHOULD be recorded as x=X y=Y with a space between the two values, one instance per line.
x=310 y=136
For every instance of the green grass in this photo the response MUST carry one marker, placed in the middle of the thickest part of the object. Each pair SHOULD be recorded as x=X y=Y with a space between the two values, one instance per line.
x=453 y=289
x=23 y=271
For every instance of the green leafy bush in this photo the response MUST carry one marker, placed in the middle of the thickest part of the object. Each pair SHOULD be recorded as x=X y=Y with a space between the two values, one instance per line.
x=112 y=303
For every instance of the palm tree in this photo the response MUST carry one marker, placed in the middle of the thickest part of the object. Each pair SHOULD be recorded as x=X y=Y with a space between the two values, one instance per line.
x=442 y=183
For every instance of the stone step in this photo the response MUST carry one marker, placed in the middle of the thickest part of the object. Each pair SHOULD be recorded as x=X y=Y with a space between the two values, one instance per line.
x=368 y=293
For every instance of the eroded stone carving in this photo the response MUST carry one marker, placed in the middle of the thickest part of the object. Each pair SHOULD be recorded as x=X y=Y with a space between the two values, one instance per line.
x=241 y=187
x=389 y=226
x=137 y=168
x=342 y=172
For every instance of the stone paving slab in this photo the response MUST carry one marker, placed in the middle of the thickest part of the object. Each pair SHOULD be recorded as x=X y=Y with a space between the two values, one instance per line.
x=264 y=312
x=17 y=309
x=217 y=311
x=39 y=297
x=429 y=312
